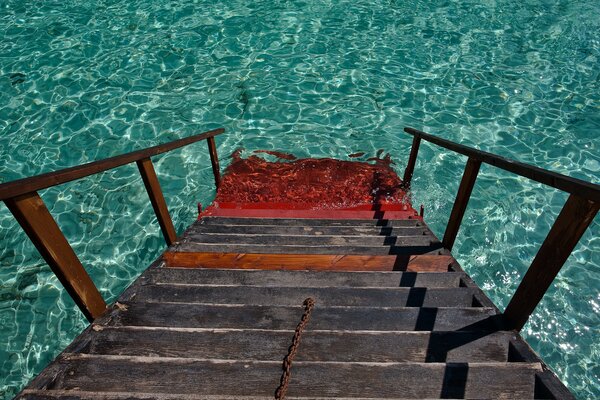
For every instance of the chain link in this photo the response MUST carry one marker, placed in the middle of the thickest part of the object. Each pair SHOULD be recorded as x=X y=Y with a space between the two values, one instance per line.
x=308 y=304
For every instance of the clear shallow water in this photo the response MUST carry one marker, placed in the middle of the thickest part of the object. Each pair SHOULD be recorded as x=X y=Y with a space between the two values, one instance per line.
x=85 y=80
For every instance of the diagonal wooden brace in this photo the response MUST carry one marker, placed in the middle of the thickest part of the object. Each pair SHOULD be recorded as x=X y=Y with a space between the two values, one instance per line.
x=35 y=219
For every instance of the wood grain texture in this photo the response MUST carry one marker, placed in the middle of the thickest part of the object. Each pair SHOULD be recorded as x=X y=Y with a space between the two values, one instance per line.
x=308 y=230
x=184 y=315
x=291 y=296
x=422 y=240
x=421 y=263
x=419 y=249
x=190 y=376
x=283 y=278
x=266 y=345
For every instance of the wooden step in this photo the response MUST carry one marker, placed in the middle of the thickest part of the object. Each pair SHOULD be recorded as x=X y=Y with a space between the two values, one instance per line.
x=308 y=240
x=184 y=315
x=292 y=296
x=310 y=230
x=413 y=263
x=280 y=278
x=310 y=379
x=266 y=345
x=306 y=214
x=309 y=222
x=416 y=247
x=29 y=394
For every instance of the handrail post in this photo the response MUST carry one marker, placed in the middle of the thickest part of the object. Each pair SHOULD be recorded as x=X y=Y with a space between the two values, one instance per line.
x=214 y=160
x=460 y=203
x=412 y=160
x=576 y=215
x=157 y=199
x=37 y=222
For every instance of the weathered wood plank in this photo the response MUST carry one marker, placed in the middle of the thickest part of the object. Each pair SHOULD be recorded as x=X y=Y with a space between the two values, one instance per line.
x=265 y=345
x=81 y=395
x=188 y=376
x=309 y=222
x=292 y=296
x=414 y=263
x=210 y=276
x=307 y=240
x=309 y=230
x=184 y=315
x=400 y=249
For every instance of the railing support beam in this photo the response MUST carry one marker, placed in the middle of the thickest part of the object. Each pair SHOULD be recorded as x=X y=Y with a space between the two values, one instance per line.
x=214 y=160
x=37 y=222
x=576 y=215
x=412 y=160
x=462 y=200
x=157 y=199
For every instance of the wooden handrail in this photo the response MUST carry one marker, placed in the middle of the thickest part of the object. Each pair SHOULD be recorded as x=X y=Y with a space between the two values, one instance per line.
x=43 y=181
x=31 y=213
x=565 y=183
x=577 y=214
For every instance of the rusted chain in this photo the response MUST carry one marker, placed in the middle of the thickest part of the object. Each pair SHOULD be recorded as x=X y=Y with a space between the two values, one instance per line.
x=308 y=304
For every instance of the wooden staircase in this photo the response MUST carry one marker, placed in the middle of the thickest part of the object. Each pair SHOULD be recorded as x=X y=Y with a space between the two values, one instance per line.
x=395 y=317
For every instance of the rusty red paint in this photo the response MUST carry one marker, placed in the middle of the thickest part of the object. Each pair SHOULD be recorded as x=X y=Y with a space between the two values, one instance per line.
x=366 y=189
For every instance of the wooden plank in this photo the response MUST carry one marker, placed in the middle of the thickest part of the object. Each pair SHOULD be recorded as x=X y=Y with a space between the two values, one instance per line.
x=308 y=230
x=188 y=376
x=307 y=240
x=208 y=220
x=28 y=185
x=289 y=296
x=265 y=345
x=183 y=315
x=414 y=263
x=31 y=213
x=568 y=184
x=197 y=276
x=157 y=199
x=432 y=249
x=82 y=395
x=307 y=214
x=214 y=160
x=576 y=215
x=460 y=203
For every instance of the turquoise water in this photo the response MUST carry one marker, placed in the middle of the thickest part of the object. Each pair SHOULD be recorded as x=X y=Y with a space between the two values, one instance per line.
x=84 y=80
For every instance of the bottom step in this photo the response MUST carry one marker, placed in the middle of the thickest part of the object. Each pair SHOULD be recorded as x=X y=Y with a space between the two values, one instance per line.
x=309 y=379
